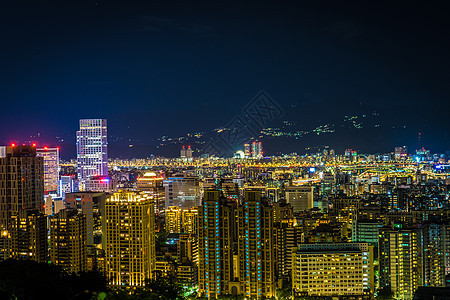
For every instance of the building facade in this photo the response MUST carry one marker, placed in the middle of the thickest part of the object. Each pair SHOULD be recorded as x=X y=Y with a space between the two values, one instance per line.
x=28 y=229
x=68 y=240
x=92 y=149
x=21 y=181
x=130 y=238
x=333 y=269
x=51 y=168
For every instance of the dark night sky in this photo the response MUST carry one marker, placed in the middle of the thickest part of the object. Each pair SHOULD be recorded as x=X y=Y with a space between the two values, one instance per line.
x=165 y=67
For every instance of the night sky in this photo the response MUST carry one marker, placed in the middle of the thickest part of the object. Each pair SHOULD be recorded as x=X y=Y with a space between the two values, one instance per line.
x=156 y=68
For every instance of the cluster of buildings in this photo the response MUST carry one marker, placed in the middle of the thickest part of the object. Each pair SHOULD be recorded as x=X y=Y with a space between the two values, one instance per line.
x=325 y=226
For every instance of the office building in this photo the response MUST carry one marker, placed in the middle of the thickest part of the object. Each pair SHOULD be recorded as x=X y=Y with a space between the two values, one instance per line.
x=130 y=238
x=401 y=261
x=153 y=185
x=21 y=181
x=51 y=168
x=256 y=247
x=300 y=197
x=68 y=241
x=328 y=270
x=67 y=184
x=28 y=230
x=92 y=149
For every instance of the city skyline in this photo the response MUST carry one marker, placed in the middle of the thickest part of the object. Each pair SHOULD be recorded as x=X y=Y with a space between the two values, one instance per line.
x=135 y=65
x=217 y=150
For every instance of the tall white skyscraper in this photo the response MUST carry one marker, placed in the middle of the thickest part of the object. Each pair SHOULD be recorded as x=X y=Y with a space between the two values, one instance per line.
x=92 y=149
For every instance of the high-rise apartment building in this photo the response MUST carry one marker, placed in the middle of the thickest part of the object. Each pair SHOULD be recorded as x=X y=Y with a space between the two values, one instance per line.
x=21 y=181
x=173 y=219
x=51 y=168
x=153 y=185
x=28 y=229
x=130 y=238
x=436 y=252
x=189 y=220
x=300 y=197
x=338 y=269
x=256 y=247
x=401 y=261
x=92 y=149
x=216 y=229
x=68 y=240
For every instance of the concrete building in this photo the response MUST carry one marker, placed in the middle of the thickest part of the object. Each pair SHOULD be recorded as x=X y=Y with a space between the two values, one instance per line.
x=173 y=219
x=68 y=241
x=256 y=247
x=401 y=261
x=339 y=269
x=130 y=238
x=216 y=221
x=28 y=229
x=21 y=181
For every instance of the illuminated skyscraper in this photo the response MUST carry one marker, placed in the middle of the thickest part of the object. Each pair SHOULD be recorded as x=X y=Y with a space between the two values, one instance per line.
x=21 y=181
x=401 y=261
x=256 y=240
x=92 y=149
x=51 y=168
x=130 y=238
x=68 y=242
x=216 y=221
